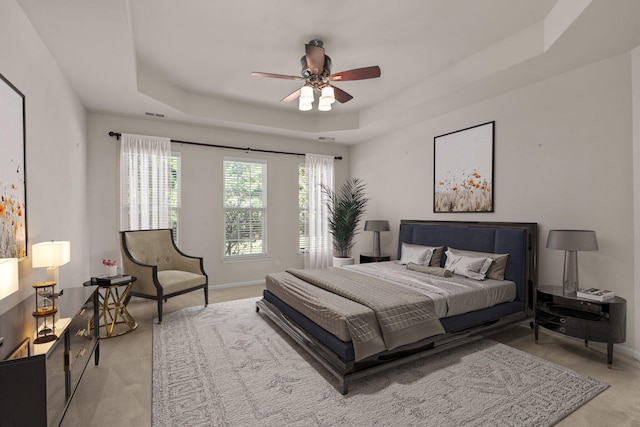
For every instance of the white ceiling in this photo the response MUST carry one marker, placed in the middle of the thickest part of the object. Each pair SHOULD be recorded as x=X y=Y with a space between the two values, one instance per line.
x=191 y=60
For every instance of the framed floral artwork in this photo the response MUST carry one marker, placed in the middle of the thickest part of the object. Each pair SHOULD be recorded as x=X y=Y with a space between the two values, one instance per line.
x=463 y=170
x=13 y=191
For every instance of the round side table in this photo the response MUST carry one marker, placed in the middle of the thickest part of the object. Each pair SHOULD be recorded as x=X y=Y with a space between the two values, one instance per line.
x=113 y=314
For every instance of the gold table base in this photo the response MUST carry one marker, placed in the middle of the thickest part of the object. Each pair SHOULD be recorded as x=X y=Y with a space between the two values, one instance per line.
x=113 y=311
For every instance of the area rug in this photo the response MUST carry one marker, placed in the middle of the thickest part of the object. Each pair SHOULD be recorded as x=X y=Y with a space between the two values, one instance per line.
x=226 y=365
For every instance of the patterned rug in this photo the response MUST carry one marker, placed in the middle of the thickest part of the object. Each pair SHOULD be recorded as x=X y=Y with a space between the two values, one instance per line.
x=226 y=365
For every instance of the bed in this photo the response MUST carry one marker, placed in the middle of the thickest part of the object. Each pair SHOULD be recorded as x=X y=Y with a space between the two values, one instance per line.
x=360 y=320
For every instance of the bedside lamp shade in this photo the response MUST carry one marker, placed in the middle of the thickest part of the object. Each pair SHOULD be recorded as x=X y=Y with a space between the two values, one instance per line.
x=8 y=276
x=571 y=241
x=51 y=255
x=376 y=226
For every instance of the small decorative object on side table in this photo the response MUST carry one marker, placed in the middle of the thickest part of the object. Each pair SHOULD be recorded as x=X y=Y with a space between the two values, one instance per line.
x=111 y=266
x=604 y=321
x=370 y=257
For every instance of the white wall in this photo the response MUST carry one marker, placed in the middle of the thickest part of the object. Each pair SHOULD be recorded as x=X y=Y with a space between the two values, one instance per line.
x=563 y=159
x=635 y=67
x=56 y=150
x=202 y=214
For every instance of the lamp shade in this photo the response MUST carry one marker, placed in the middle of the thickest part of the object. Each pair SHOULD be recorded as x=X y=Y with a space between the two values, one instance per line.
x=9 y=282
x=572 y=240
x=306 y=94
x=50 y=254
x=376 y=225
x=327 y=95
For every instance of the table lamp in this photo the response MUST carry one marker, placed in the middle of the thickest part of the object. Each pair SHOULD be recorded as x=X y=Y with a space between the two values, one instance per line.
x=571 y=241
x=9 y=282
x=376 y=226
x=51 y=255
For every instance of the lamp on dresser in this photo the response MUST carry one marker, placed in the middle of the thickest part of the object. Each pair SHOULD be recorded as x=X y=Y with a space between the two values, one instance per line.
x=571 y=241
x=51 y=255
x=376 y=226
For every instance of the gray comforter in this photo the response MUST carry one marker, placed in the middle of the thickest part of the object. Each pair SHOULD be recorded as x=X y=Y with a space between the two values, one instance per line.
x=393 y=316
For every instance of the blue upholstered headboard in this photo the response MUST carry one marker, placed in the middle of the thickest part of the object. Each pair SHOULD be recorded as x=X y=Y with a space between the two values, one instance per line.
x=519 y=240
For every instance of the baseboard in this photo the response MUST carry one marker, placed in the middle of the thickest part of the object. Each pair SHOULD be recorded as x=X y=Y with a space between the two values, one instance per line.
x=237 y=284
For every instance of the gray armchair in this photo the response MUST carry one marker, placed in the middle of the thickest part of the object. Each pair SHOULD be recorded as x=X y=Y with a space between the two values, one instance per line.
x=161 y=269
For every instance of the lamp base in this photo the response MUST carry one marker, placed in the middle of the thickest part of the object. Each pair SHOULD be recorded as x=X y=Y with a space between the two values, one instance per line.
x=376 y=243
x=570 y=279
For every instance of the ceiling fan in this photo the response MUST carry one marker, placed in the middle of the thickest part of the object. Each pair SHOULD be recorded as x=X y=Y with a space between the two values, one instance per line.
x=316 y=70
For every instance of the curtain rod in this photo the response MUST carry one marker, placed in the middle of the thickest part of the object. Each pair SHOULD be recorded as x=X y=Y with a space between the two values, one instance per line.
x=118 y=134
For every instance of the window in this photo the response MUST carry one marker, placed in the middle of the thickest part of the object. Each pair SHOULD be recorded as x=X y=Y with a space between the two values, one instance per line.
x=175 y=183
x=150 y=191
x=303 y=209
x=245 y=206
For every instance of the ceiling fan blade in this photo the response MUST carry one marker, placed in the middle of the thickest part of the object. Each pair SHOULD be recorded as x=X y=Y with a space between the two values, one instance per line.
x=291 y=97
x=357 y=74
x=341 y=95
x=315 y=58
x=275 y=76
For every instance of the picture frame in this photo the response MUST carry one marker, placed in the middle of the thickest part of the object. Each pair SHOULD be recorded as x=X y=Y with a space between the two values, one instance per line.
x=23 y=350
x=13 y=189
x=463 y=170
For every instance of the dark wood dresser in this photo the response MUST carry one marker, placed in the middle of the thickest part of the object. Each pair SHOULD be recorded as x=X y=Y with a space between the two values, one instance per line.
x=36 y=390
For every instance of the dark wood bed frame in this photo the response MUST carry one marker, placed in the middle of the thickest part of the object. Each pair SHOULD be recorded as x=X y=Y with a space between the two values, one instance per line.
x=347 y=371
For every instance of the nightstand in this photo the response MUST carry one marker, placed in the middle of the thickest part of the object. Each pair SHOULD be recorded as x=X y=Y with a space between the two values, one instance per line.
x=604 y=321
x=369 y=257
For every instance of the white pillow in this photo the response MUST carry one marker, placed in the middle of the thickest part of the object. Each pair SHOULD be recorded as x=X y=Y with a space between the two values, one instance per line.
x=471 y=267
x=416 y=254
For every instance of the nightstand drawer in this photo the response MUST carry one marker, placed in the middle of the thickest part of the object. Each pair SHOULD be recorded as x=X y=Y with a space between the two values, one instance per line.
x=572 y=322
x=582 y=306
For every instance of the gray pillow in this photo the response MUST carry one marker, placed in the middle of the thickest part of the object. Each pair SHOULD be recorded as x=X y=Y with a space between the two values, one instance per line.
x=498 y=266
x=436 y=257
x=416 y=254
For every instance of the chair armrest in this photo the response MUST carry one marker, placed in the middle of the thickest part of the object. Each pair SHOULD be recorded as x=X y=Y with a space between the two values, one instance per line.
x=188 y=263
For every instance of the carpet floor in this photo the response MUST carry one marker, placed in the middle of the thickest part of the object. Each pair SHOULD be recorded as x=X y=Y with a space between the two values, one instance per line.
x=226 y=365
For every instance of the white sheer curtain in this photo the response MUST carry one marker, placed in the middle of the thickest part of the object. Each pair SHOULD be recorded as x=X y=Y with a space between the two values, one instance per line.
x=144 y=182
x=319 y=171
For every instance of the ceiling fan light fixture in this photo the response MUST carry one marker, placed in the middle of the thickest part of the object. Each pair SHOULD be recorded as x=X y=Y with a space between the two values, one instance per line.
x=304 y=106
x=306 y=95
x=328 y=95
x=324 y=105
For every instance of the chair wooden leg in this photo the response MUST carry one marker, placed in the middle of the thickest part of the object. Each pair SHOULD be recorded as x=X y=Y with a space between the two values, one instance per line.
x=159 y=310
x=206 y=296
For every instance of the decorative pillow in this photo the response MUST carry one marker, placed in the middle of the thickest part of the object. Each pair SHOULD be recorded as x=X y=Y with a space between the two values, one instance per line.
x=416 y=254
x=436 y=258
x=471 y=267
x=436 y=271
x=498 y=266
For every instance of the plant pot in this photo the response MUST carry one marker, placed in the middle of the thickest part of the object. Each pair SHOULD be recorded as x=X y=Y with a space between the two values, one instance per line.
x=339 y=262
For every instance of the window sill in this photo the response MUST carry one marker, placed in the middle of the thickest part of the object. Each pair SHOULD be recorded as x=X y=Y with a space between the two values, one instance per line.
x=244 y=258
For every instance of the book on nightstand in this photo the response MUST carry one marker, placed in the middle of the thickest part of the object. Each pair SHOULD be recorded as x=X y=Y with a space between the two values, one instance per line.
x=595 y=294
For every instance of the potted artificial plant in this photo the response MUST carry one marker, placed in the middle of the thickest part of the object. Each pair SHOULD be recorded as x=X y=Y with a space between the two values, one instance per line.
x=346 y=208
